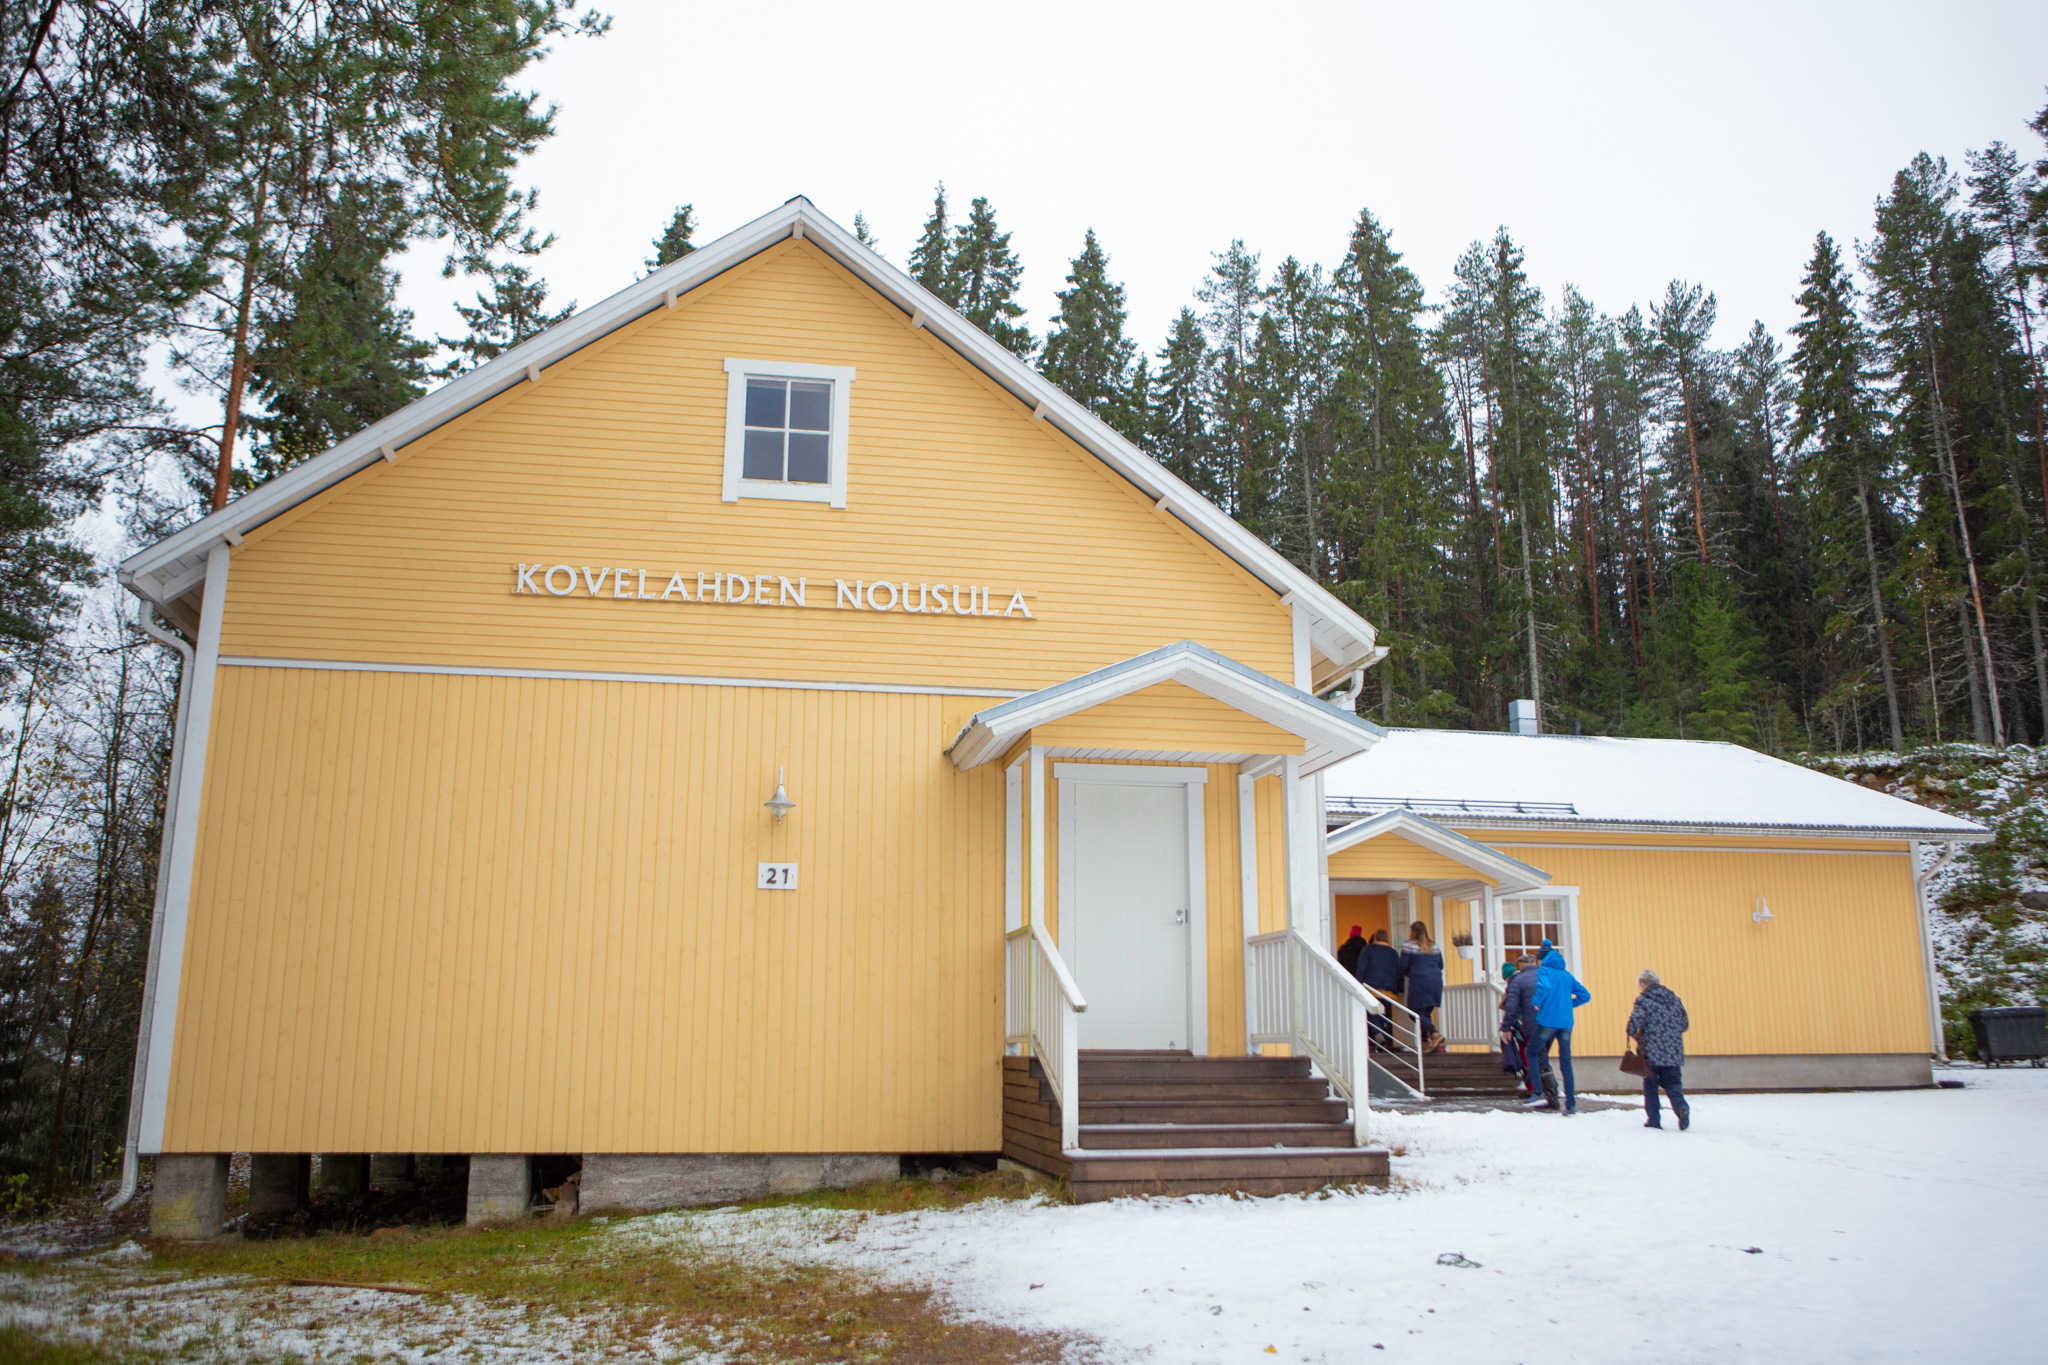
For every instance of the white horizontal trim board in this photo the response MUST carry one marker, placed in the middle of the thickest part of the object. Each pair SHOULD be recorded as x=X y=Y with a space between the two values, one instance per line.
x=582 y=675
x=1693 y=848
x=1129 y=774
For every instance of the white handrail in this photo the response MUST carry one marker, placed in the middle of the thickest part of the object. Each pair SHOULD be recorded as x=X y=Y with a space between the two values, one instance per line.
x=1047 y=999
x=1472 y=1013
x=1404 y=1030
x=1305 y=998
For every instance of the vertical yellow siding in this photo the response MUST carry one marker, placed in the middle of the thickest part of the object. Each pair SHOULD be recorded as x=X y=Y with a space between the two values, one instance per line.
x=470 y=914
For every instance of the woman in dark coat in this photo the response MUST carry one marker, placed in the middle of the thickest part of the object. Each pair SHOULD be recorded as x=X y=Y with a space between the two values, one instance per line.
x=1658 y=1022
x=1423 y=968
x=1379 y=967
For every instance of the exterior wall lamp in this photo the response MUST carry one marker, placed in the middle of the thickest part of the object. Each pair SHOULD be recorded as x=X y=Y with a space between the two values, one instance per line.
x=780 y=802
x=1761 y=915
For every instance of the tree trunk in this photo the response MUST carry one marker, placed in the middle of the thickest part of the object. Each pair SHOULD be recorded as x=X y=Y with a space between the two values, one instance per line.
x=1699 y=516
x=1946 y=451
x=1529 y=598
x=1884 y=646
x=238 y=366
x=1980 y=729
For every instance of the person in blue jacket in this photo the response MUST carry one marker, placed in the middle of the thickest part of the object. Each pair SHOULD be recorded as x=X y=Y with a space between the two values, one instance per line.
x=1558 y=994
x=1422 y=973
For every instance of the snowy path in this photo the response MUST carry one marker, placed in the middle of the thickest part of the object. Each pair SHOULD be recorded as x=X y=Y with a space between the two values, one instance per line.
x=1891 y=1227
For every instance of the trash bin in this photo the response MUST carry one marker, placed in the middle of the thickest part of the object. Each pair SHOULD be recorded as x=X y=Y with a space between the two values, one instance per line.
x=2017 y=1033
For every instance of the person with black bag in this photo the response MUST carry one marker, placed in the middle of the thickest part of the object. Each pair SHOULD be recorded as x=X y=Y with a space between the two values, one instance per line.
x=1658 y=1025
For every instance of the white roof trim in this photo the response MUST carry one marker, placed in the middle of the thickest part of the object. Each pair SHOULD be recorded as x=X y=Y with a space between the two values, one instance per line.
x=1331 y=734
x=1512 y=873
x=174 y=565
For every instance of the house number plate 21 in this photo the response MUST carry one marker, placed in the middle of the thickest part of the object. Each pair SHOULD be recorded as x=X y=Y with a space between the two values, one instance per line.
x=776 y=877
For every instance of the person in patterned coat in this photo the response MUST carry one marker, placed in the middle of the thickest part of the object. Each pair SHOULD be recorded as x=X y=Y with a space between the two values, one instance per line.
x=1658 y=1021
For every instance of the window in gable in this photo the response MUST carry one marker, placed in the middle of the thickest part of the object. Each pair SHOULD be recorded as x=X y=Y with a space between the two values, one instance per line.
x=785 y=432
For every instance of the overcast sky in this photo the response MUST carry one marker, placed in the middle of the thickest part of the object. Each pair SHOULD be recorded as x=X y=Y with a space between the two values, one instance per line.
x=1622 y=145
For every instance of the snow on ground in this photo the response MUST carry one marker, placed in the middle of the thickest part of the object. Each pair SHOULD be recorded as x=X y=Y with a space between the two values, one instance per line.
x=1828 y=1227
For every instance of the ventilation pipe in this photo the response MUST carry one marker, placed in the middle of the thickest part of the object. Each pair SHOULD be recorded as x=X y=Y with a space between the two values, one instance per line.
x=1522 y=718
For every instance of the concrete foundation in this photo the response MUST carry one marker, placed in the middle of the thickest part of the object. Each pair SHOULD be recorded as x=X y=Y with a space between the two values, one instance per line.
x=1774 y=1071
x=500 y=1187
x=392 y=1172
x=189 y=1196
x=278 y=1184
x=344 y=1176
x=640 y=1182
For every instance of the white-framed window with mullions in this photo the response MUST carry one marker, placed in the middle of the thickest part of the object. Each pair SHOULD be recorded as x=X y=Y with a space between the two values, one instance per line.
x=1522 y=922
x=785 y=431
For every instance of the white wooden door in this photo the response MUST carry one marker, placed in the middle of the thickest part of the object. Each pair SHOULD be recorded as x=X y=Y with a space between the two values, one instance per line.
x=1130 y=925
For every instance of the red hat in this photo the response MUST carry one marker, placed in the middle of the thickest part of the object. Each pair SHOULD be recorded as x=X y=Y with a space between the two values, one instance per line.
x=1358 y=931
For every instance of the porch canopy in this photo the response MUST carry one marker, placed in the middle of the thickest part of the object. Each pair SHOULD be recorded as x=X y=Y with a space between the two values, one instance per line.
x=1198 y=706
x=1398 y=848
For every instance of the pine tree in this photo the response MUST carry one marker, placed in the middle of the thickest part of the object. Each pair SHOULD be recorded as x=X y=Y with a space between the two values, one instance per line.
x=674 y=242
x=931 y=260
x=984 y=274
x=1233 y=294
x=414 y=95
x=515 y=309
x=1684 y=321
x=1086 y=352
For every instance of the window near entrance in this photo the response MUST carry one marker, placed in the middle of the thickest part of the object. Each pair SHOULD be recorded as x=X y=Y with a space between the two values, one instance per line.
x=785 y=431
x=1525 y=921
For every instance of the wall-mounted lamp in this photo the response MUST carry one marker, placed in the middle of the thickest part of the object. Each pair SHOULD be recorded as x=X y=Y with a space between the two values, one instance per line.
x=780 y=802
x=1762 y=914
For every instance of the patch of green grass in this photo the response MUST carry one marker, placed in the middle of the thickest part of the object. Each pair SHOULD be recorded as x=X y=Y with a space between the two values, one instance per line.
x=19 y=1346
x=769 y=1312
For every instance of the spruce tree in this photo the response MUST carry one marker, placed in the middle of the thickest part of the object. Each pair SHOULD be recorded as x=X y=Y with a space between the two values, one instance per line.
x=984 y=274
x=674 y=242
x=931 y=260
x=1684 y=321
x=1233 y=293
x=1844 y=465
x=339 y=353
x=865 y=235
x=515 y=309
x=1177 y=420
x=1086 y=352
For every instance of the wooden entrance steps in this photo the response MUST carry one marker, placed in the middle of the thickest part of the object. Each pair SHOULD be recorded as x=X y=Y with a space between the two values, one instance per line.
x=1173 y=1123
x=1469 y=1076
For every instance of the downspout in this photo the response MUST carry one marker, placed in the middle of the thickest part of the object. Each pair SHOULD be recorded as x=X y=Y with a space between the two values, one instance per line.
x=1920 y=885
x=130 y=1163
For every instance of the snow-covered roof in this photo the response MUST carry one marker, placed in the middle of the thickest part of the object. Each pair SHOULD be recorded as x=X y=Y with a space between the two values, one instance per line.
x=1485 y=779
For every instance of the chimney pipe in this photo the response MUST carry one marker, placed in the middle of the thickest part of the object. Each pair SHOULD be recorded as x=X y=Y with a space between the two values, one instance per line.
x=1522 y=718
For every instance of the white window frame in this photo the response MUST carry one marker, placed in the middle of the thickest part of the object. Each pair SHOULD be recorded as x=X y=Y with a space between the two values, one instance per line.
x=1568 y=894
x=737 y=372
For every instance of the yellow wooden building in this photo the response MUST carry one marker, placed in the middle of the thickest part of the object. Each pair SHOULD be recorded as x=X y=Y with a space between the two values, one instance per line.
x=753 y=731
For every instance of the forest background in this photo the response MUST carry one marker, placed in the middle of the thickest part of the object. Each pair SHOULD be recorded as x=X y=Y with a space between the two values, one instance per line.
x=1812 y=544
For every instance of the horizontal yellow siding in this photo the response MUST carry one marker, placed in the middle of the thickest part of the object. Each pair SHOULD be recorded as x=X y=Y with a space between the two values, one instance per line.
x=1838 y=970
x=615 y=460
x=475 y=914
x=1392 y=857
x=1168 y=717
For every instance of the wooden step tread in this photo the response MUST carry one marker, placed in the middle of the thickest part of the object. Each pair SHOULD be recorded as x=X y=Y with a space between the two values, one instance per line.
x=1102 y=1137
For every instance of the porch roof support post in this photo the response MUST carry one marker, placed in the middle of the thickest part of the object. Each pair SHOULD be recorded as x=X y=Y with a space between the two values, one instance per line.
x=1301 y=841
x=1494 y=959
x=1248 y=894
x=1037 y=834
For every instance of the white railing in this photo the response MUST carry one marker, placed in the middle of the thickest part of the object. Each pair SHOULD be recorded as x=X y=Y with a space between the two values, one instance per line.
x=1403 y=1040
x=1472 y=1013
x=1301 y=996
x=1042 y=1004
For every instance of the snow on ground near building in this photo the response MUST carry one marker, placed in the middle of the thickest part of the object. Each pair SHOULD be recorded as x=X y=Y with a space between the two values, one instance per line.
x=1886 y=1227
